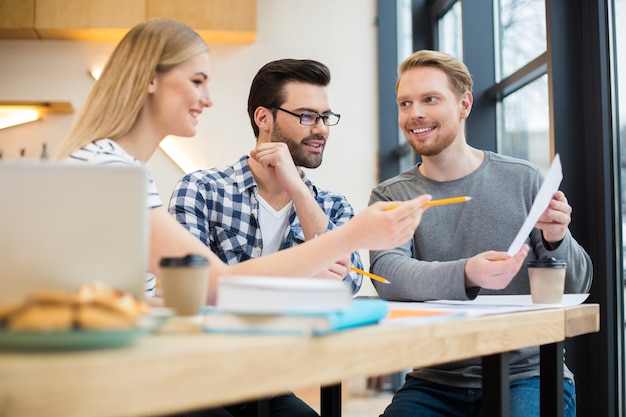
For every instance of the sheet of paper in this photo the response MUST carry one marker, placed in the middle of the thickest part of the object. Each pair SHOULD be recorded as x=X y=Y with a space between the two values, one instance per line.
x=499 y=304
x=524 y=300
x=483 y=305
x=546 y=191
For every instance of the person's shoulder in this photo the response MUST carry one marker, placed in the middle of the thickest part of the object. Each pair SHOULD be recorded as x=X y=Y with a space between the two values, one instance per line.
x=408 y=176
x=509 y=162
x=104 y=152
x=217 y=173
x=220 y=176
x=330 y=195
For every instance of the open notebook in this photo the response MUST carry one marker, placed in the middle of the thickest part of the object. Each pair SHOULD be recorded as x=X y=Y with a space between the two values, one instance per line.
x=62 y=225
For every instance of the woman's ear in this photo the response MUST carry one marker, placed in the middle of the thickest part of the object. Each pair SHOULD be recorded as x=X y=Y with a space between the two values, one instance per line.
x=153 y=85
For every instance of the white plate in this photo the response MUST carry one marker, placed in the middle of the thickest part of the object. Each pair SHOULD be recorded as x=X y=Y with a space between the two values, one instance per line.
x=84 y=339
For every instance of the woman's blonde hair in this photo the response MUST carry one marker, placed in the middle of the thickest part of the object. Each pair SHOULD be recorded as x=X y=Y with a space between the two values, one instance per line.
x=458 y=75
x=117 y=97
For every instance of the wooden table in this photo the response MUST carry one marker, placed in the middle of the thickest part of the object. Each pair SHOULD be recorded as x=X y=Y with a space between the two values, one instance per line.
x=163 y=374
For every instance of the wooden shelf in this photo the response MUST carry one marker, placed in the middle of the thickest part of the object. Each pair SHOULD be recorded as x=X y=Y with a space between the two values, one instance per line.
x=15 y=113
x=42 y=106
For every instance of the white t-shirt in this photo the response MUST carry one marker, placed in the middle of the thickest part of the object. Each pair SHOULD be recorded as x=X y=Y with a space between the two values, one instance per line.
x=273 y=225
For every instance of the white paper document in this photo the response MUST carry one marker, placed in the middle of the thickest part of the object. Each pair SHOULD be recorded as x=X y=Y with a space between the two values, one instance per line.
x=499 y=304
x=484 y=305
x=542 y=200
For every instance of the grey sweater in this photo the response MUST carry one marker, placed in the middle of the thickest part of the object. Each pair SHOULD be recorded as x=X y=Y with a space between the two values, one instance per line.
x=431 y=265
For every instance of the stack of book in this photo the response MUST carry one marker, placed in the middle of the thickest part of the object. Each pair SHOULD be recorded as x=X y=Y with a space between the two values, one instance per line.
x=296 y=306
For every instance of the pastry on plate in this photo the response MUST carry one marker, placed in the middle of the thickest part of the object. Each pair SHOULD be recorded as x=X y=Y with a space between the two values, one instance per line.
x=42 y=317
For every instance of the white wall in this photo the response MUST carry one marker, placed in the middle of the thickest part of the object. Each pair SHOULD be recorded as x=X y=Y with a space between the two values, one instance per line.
x=339 y=33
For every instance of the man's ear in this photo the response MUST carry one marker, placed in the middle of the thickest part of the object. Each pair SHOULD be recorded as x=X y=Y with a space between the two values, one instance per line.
x=465 y=105
x=264 y=118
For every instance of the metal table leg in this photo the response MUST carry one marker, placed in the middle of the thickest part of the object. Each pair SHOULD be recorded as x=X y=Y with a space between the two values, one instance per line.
x=551 y=379
x=496 y=385
x=331 y=400
x=263 y=407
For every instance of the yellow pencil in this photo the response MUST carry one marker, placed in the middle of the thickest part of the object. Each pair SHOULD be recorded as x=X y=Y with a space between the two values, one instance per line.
x=372 y=276
x=446 y=201
x=441 y=202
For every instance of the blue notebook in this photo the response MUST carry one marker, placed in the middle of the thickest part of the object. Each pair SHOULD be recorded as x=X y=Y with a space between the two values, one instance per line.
x=360 y=313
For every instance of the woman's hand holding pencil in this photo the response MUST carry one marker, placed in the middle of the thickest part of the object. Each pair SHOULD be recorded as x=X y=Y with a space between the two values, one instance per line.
x=378 y=228
x=422 y=206
x=387 y=224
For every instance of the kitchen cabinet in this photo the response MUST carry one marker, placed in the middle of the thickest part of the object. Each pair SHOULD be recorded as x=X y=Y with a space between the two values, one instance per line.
x=17 y=19
x=217 y=21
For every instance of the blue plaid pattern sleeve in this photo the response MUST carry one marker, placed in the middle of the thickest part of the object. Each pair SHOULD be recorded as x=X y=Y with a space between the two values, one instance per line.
x=220 y=208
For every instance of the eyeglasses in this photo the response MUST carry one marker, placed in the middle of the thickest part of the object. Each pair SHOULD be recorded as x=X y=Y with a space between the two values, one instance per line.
x=311 y=118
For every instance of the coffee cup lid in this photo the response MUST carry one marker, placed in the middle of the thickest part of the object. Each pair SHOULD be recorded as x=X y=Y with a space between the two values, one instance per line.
x=546 y=263
x=193 y=259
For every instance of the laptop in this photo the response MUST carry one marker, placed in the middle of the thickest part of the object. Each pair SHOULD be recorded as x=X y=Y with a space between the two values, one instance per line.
x=62 y=225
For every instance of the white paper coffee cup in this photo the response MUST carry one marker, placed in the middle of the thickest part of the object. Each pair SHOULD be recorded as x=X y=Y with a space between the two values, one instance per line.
x=547 y=280
x=185 y=283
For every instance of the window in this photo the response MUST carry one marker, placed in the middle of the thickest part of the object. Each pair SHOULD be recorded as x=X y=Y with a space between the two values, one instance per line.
x=521 y=71
x=524 y=124
x=450 y=33
x=522 y=33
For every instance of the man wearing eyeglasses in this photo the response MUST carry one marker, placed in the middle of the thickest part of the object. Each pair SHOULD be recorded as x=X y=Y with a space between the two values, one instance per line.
x=265 y=202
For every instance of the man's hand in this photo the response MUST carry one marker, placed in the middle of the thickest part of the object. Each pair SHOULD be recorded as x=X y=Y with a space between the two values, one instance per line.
x=276 y=159
x=493 y=270
x=554 y=221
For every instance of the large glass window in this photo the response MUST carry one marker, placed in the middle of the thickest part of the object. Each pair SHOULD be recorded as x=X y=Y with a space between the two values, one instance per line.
x=450 y=33
x=522 y=81
x=406 y=157
x=522 y=33
x=525 y=124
